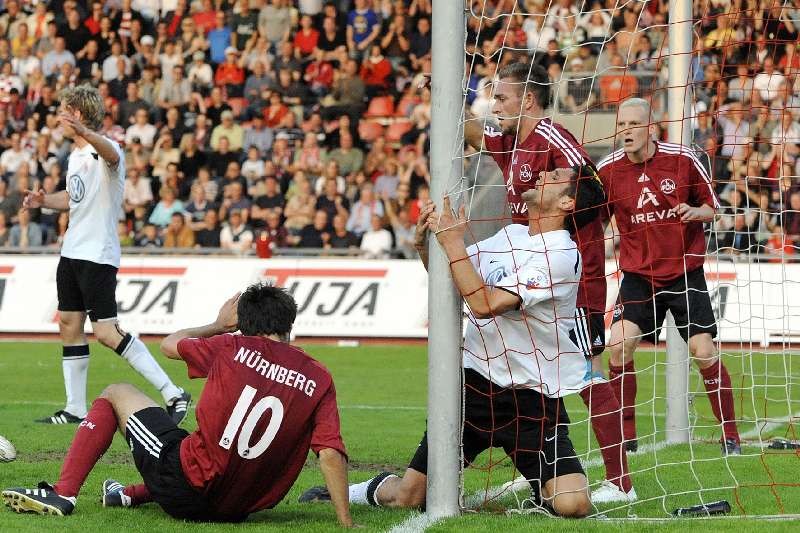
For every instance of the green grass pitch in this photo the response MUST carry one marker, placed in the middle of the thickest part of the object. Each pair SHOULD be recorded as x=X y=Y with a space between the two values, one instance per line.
x=381 y=392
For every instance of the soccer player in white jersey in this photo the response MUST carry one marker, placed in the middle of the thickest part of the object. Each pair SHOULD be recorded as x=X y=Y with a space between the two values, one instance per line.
x=87 y=269
x=519 y=360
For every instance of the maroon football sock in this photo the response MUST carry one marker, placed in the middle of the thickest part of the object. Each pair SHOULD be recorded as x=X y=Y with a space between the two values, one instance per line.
x=604 y=412
x=623 y=383
x=91 y=441
x=139 y=494
x=718 y=386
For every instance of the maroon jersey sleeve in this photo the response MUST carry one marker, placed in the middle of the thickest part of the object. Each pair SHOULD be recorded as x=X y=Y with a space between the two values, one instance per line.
x=199 y=354
x=494 y=141
x=702 y=190
x=326 y=432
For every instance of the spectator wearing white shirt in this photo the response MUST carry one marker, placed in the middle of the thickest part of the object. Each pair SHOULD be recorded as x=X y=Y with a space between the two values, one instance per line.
x=137 y=192
x=200 y=75
x=236 y=235
x=14 y=157
x=768 y=82
x=110 y=68
x=52 y=60
x=141 y=129
x=377 y=241
x=538 y=33
x=360 y=220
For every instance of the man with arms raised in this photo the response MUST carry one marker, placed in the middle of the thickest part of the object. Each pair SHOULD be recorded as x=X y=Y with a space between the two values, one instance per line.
x=527 y=144
x=519 y=361
x=264 y=404
x=86 y=278
x=660 y=195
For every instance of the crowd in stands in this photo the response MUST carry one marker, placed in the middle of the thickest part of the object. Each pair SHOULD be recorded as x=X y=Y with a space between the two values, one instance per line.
x=305 y=123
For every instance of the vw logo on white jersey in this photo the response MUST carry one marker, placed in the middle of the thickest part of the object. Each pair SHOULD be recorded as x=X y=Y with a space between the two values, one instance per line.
x=667 y=186
x=75 y=188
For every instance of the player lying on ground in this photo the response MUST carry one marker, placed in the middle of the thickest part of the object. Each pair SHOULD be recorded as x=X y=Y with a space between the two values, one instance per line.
x=660 y=195
x=86 y=278
x=264 y=404
x=527 y=143
x=519 y=361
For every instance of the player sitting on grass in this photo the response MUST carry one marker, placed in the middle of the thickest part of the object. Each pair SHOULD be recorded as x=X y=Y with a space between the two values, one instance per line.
x=265 y=403
x=518 y=357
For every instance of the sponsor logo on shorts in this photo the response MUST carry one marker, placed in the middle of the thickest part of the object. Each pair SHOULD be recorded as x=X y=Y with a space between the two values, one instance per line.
x=667 y=186
x=75 y=188
x=618 y=309
x=597 y=341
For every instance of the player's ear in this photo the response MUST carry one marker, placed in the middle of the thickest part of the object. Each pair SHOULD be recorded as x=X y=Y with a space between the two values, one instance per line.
x=567 y=203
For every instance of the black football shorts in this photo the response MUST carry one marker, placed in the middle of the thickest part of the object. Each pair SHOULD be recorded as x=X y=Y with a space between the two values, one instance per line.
x=88 y=287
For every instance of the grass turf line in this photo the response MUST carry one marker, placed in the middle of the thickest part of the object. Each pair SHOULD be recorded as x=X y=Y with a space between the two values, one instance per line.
x=385 y=439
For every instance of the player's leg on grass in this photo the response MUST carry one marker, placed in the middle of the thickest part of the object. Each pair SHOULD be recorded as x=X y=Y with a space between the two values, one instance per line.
x=74 y=365
x=603 y=406
x=625 y=337
x=405 y=492
x=134 y=351
x=109 y=412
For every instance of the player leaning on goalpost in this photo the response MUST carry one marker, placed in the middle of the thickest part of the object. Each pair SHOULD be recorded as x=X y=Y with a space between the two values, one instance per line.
x=264 y=405
x=518 y=358
x=527 y=144
x=660 y=195
x=86 y=278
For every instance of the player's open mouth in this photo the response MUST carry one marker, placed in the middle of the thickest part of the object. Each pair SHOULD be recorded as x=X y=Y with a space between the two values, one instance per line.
x=627 y=141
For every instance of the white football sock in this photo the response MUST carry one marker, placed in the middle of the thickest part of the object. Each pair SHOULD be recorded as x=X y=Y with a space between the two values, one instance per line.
x=358 y=492
x=76 y=369
x=139 y=357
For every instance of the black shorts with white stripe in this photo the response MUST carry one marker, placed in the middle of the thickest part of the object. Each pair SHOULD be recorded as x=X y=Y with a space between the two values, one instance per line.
x=155 y=442
x=590 y=332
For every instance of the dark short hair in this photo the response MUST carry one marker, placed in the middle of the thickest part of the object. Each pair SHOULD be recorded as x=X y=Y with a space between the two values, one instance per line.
x=586 y=189
x=533 y=79
x=266 y=310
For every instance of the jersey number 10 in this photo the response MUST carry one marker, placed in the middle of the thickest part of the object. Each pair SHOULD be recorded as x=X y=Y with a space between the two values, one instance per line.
x=238 y=415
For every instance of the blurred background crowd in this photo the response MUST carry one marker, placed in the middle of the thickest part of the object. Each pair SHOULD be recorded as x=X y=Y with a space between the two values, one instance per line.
x=254 y=125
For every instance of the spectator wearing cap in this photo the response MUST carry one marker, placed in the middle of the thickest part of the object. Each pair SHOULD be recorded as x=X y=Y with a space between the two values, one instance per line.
x=145 y=54
x=245 y=25
x=257 y=135
x=229 y=74
x=219 y=39
x=362 y=28
x=56 y=57
x=229 y=129
x=200 y=75
x=236 y=235
x=275 y=21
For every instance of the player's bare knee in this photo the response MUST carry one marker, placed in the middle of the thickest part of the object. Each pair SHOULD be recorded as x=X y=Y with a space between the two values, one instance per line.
x=407 y=493
x=572 y=505
x=115 y=390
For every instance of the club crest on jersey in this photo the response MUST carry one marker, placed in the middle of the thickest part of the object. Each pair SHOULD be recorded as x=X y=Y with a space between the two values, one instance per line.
x=75 y=188
x=540 y=280
x=525 y=173
x=667 y=186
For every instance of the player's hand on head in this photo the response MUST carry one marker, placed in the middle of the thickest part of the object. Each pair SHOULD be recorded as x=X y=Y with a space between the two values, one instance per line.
x=228 y=318
x=33 y=199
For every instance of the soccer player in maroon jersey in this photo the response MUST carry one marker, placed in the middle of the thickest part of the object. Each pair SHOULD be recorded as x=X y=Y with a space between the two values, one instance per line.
x=264 y=405
x=660 y=195
x=527 y=144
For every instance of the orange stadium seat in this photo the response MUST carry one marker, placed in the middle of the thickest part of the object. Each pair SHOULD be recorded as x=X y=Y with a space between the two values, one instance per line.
x=397 y=129
x=237 y=105
x=380 y=106
x=369 y=130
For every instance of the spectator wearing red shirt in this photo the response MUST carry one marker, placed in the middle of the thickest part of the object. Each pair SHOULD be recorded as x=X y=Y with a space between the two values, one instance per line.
x=229 y=74
x=376 y=71
x=306 y=39
x=275 y=111
x=93 y=22
x=319 y=74
x=206 y=19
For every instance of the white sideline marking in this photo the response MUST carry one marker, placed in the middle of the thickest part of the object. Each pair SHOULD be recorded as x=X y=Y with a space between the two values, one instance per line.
x=416 y=523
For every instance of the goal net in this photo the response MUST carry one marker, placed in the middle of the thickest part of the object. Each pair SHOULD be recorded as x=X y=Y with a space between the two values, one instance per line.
x=743 y=94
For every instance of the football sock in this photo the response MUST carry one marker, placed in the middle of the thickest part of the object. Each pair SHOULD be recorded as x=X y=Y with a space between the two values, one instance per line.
x=364 y=493
x=604 y=412
x=139 y=357
x=623 y=383
x=138 y=494
x=75 y=365
x=718 y=387
x=91 y=441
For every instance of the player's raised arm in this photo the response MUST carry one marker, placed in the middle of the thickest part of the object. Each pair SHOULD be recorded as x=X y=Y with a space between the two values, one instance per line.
x=334 y=469
x=226 y=322
x=473 y=130
x=103 y=146
x=421 y=233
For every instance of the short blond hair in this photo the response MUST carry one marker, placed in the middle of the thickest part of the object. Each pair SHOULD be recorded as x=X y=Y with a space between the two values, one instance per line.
x=87 y=100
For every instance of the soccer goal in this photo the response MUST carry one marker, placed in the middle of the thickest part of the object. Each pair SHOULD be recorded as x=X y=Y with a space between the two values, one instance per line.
x=692 y=65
